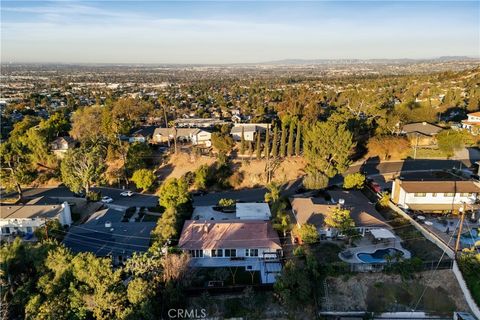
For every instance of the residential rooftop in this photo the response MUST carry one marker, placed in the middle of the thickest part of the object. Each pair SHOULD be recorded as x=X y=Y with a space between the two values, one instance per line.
x=228 y=234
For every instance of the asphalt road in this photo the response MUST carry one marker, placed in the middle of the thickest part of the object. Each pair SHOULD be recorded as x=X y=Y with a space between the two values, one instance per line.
x=370 y=168
x=137 y=200
x=257 y=194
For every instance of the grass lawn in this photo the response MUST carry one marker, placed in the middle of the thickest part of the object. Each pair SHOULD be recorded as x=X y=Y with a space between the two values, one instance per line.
x=404 y=296
x=428 y=153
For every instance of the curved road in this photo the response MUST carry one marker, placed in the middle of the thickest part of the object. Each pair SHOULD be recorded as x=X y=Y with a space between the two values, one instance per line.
x=257 y=194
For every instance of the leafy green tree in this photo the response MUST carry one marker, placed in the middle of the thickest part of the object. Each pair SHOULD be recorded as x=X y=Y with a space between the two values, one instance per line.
x=258 y=148
x=166 y=226
x=243 y=144
x=450 y=141
x=354 y=181
x=201 y=177
x=273 y=194
x=290 y=139
x=298 y=139
x=266 y=147
x=143 y=178
x=341 y=220
x=136 y=155
x=275 y=142
x=293 y=286
x=281 y=223
x=15 y=166
x=327 y=149
x=283 y=140
x=307 y=233
x=83 y=167
x=222 y=142
x=87 y=124
x=174 y=193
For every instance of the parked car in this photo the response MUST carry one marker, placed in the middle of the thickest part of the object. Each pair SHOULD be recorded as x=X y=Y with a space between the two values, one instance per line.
x=374 y=186
x=127 y=193
x=106 y=199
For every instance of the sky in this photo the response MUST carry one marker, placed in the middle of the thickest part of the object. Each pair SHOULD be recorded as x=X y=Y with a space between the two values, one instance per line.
x=219 y=32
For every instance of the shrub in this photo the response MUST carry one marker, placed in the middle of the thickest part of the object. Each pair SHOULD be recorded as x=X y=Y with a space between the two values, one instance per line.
x=94 y=196
x=143 y=178
x=226 y=202
x=354 y=181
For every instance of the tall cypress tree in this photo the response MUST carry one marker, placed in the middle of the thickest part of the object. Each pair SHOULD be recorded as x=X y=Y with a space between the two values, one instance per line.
x=290 y=139
x=283 y=140
x=297 y=140
x=258 y=149
x=242 y=141
x=266 y=148
x=274 y=143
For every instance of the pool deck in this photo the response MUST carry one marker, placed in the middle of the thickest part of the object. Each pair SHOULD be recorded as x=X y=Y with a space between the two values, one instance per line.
x=366 y=245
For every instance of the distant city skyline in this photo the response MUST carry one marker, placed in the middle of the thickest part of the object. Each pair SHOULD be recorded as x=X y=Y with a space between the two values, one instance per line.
x=221 y=32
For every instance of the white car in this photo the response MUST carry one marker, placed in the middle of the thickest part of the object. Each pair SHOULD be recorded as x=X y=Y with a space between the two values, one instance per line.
x=127 y=193
x=107 y=199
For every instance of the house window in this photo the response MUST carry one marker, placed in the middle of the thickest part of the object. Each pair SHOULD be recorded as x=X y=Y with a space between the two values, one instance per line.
x=6 y=230
x=29 y=229
x=465 y=194
x=230 y=252
x=217 y=253
x=251 y=252
x=434 y=194
x=419 y=194
x=449 y=194
x=196 y=253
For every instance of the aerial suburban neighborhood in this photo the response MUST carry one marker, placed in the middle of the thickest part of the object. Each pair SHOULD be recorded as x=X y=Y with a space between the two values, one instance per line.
x=137 y=182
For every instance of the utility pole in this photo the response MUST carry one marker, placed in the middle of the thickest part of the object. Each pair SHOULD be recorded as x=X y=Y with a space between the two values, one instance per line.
x=457 y=244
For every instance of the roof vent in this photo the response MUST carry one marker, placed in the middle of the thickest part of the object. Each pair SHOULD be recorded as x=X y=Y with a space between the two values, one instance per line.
x=108 y=224
x=424 y=123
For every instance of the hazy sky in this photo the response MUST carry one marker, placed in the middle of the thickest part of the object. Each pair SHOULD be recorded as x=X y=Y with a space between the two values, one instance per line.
x=239 y=31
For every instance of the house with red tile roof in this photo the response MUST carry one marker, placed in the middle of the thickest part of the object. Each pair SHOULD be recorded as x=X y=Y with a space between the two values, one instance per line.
x=250 y=244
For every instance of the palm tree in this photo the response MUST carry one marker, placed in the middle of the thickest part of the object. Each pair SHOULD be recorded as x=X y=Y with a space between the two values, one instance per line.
x=274 y=192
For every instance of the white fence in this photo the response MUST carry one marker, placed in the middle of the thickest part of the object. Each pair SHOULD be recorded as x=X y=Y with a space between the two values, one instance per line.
x=426 y=233
x=449 y=251
x=466 y=292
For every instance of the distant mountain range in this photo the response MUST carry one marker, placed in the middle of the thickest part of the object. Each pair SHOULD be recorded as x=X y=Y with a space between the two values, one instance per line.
x=365 y=61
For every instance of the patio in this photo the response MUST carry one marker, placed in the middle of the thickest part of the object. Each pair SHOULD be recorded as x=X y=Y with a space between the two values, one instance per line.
x=207 y=213
x=369 y=245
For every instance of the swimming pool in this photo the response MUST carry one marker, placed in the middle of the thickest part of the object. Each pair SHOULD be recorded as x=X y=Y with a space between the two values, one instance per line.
x=379 y=255
x=470 y=238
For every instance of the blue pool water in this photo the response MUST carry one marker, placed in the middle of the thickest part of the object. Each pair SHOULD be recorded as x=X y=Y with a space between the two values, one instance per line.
x=378 y=256
x=470 y=238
